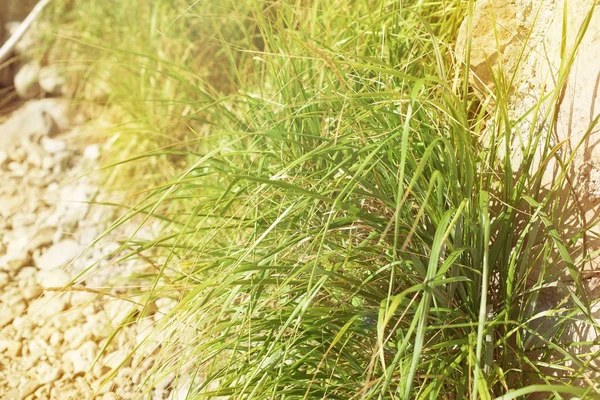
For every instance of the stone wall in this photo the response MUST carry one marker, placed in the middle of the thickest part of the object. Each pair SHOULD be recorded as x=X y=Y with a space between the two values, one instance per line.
x=520 y=41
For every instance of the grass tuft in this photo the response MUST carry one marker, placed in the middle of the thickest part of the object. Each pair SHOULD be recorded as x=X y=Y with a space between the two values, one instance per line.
x=336 y=219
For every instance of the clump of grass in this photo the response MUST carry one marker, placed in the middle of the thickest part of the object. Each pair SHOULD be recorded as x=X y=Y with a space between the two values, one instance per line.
x=334 y=224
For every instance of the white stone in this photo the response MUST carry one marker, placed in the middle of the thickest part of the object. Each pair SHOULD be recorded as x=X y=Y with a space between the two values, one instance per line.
x=47 y=373
x=36 y=118
x=53 y=278
x=52 y=80
x=43 y=237
x=165 y=304
x=91 y=152
x=8 y=314
x=181 y=390
x=47 y=306
x=81 y=359
x=31 y=292
x=4 y=279
x=53 y=146
x=83 y=299
x=12 y=348
x=36 y=348
x=27 y=388
x=56 y=339
x=27 y=81
x=118 y=358
x=16 y=253
x=117 y=310
x=75 y=336
x=17 y=169
x=58 y=255
x=26 y=276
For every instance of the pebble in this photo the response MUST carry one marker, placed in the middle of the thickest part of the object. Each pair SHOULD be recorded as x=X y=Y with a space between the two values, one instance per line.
x=32 y=292
x=53 y=278
x=75 y=337
x=35 y=350
x=47 y=373
x=11 y=348
x=50 y=339
x=53 y=146
x=118 y=358
x=27 y=81
x=80 y=360
x=8 y=314
x=52 y=80
x=56 y=339
x=47 y=306
x=91 y=152
x=58 y=255
x=117 y=310
x=4 y=279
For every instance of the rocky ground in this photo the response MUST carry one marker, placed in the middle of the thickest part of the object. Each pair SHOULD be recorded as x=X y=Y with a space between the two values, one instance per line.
x=57 y=342
x=71 y=323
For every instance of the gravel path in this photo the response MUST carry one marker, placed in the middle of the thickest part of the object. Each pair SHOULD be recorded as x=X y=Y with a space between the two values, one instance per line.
x=56 y=343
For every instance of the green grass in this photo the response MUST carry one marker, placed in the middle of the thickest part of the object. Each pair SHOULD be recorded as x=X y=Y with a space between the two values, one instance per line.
x=334 y=224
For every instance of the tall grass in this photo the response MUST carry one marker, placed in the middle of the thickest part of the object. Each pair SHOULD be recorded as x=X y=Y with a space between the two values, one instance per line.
x=336 y=223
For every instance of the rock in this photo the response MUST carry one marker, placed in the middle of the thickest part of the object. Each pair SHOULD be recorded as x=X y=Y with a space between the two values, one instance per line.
x=23 y=391
x=165 y=304
x=58 y=255
x=91 y=152
x=161 y=386
x=53 y=146
x=47 y=373
x=56 y=339
x=28 y=388
x=42 y=237
x=37 y=118
x=118 y=358
x=4 y=279
x=533 y=62
x=75 y=337
x=17 y=254
x=47 y=306
x=31 y=292
x=53 y=278
x=22 y=221
x=8 y=314
x=81 y=299
x=183 y=390
x=117 y=310
x=497 y=37
x=43 y=392
x=18 y=170
x=27 y=81
x=535 y=76
x=11 y=205
x=36 y=349
x=52 y=80
x=57 y=109
x=80 y=360
x=26 y=276
x=10 y=296
x=11 y=348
